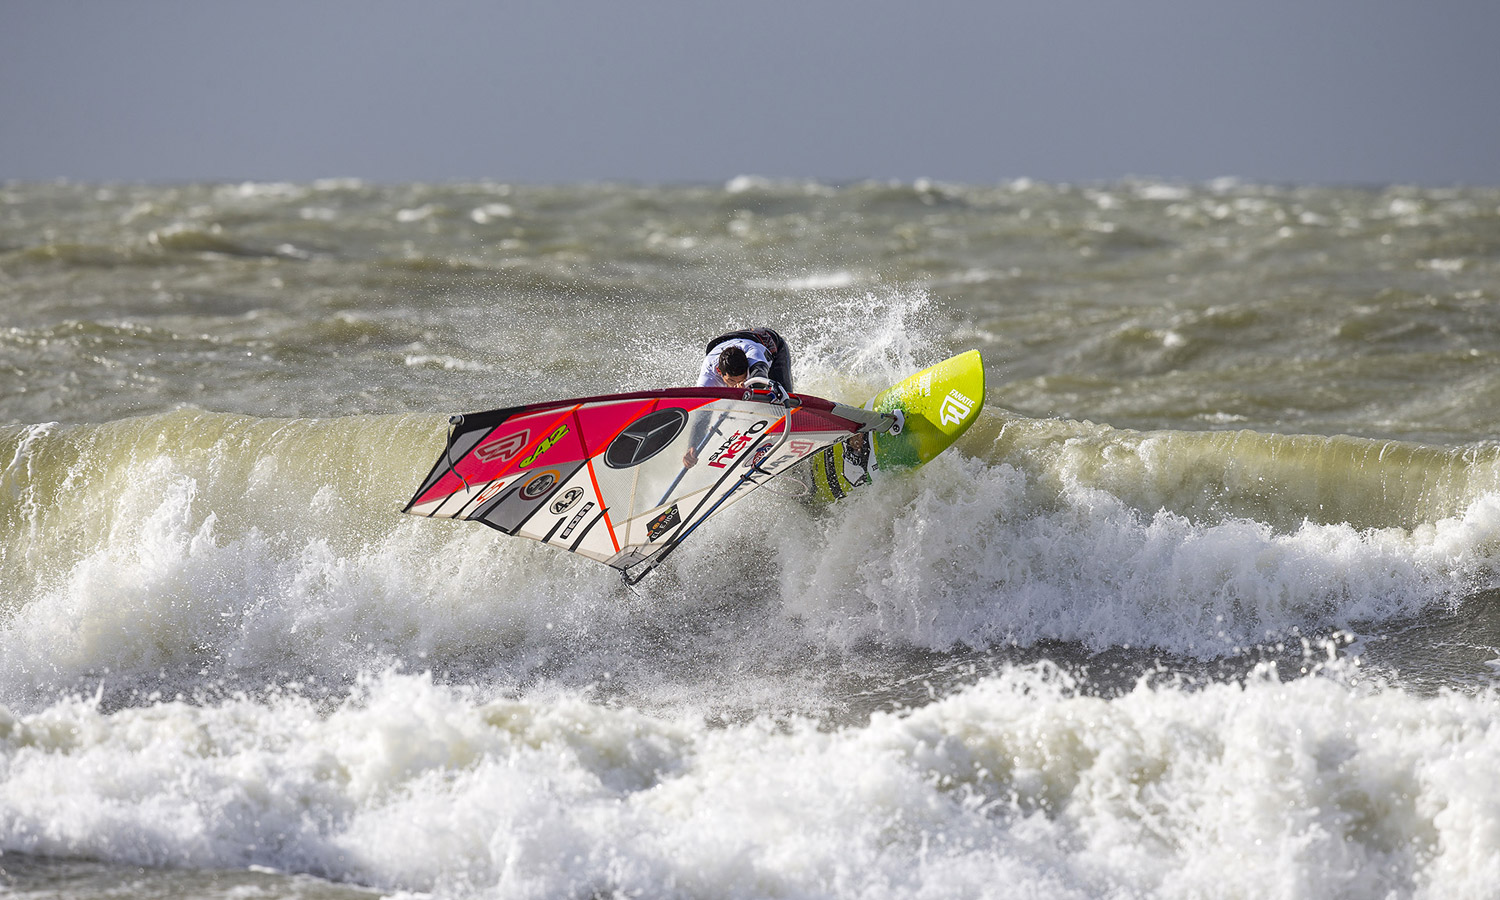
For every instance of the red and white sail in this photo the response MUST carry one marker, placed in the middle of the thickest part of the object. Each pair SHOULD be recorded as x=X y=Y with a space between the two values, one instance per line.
x=604 y=477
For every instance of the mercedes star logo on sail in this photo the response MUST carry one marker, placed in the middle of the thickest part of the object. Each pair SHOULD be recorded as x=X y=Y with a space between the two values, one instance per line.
x=644 y=438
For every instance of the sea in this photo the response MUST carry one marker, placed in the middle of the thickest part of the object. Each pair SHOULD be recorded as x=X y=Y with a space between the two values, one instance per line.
x=1205 y=605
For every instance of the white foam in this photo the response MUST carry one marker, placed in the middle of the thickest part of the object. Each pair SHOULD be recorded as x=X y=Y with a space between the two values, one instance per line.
x=741 y=184
x=1444 y=266
x=452 y=364
x=817 y=281
x=1163 y=192
x=250 y=190
x=490 y=212
x=338 y=184
x=416 y=214
x=968 y=553
x=580 y=760
x=1019 y=786
x=249 y=555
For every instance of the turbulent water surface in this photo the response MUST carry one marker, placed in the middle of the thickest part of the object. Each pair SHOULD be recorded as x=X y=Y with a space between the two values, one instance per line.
x=1206 y=604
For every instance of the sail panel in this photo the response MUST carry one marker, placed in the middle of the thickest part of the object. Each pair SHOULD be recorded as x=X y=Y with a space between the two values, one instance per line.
x=609 y=477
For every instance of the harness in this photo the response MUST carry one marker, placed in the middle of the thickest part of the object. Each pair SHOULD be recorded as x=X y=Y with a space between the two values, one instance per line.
x=763 y=336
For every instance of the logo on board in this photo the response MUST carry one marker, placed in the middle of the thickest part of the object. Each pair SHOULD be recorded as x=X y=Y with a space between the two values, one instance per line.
x=956 y=407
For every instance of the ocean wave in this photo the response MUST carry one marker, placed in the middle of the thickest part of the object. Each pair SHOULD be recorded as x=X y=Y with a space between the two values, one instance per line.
x=976 y=555
x=1323 y=786
x=1278 y=479
x=158 y=248
x=170 y=546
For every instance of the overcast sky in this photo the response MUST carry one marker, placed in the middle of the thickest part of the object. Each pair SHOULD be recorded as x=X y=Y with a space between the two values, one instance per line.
x=1305 y=91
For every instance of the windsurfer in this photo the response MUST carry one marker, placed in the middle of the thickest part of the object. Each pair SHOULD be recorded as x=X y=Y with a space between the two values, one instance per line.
x=733 y=359
x=755 y=352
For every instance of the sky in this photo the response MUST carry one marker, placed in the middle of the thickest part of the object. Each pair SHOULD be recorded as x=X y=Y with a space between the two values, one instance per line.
x=672 y=91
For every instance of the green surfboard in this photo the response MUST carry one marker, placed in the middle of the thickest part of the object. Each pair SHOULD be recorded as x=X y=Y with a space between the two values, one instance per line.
x=934 y=407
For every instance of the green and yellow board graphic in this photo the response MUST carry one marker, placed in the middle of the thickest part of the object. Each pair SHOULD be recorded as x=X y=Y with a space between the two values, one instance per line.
x=935 y=405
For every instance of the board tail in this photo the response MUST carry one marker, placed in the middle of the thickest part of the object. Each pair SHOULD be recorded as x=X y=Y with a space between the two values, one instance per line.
x=935 y=406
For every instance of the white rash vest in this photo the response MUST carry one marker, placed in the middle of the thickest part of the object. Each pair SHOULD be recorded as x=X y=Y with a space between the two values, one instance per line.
x=708 y=376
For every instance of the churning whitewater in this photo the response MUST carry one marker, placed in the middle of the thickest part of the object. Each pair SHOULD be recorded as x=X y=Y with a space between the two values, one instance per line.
x=1205 y=604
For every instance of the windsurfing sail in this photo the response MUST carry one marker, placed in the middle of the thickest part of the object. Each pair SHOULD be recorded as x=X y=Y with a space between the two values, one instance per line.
x=605 y=477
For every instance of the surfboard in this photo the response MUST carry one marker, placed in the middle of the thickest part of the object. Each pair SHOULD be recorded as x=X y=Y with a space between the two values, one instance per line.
x=933 y=408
